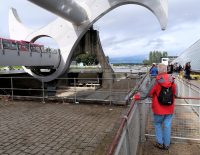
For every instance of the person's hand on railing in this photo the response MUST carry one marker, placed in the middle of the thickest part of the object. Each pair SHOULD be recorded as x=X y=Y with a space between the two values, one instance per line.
x=137 y=96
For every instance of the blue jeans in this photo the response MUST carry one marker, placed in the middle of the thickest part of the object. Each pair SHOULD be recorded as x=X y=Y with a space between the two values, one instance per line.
x=163 y=125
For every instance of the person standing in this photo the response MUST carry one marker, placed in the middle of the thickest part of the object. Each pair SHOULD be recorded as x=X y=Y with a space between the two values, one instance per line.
x=162 y=114
x=179 y=68
x=153 y=71
x=170 y=69
x=180 y=71
x=187 y=70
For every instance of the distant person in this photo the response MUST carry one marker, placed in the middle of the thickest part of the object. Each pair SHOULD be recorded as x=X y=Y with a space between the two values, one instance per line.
x=170 y=69
x=180 y=68
x=180 y=71
x=187 y=70
x=163 y=98
x=153 y=71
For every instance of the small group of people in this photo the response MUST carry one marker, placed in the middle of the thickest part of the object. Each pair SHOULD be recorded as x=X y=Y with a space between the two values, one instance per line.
x=186 y=69
x=154 y=70
x=162 y=113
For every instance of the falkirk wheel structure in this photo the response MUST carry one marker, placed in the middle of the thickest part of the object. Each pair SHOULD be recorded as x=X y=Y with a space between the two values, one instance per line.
x=75 y=18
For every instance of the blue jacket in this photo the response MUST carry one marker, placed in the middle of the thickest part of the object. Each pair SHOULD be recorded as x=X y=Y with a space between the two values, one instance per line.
x=153 y=71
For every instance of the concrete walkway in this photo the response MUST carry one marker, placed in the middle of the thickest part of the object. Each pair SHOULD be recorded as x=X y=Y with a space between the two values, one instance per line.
x=175 y=149
x=68 y=129
x=91 y=94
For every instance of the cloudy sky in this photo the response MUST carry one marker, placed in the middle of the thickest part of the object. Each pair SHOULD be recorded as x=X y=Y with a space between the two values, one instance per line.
x=126 y=31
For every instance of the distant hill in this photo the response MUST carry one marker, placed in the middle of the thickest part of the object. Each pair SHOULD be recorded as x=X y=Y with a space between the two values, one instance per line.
x=131 y=59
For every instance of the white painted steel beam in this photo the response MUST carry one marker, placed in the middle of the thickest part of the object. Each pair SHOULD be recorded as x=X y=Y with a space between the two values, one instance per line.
x=67 y=9
x=69 y=32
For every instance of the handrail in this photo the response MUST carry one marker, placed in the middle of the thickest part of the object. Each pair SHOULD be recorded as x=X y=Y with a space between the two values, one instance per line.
x=136 y=88
x=119 y=131
x=123 y=121
x=193 y=98
x=190 y=83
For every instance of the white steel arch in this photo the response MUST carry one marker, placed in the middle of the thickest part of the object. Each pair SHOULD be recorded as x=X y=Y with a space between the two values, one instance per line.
x=77 y=17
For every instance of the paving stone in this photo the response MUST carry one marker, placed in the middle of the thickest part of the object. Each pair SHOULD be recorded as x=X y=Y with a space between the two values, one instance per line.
x=15 y=153
x=21 y=153
x=68 y=152
x=86 y=153
x=35 y=128
x=1 y=151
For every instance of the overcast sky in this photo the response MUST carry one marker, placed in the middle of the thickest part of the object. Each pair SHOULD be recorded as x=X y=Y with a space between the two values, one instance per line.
x=126 y=31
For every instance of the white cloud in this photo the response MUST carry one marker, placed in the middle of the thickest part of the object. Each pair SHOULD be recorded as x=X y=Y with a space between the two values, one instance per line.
x=145 y=34
x=127 y=30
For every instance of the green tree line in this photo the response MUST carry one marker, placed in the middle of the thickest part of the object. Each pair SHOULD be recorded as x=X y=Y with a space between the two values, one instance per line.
x=155 y=57
x=87 y=59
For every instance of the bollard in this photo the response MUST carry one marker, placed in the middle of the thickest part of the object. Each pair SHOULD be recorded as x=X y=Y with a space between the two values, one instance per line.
x=12 y=87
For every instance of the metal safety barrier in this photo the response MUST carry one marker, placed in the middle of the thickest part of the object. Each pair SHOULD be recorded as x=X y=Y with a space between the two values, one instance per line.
x=185 y=123
x=129 y=135
x=190 y=91
x=109 y=90
x=131 y=130
x=137 y=124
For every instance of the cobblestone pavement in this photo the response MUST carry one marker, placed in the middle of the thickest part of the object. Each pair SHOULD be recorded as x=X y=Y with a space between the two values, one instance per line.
x=69 y=129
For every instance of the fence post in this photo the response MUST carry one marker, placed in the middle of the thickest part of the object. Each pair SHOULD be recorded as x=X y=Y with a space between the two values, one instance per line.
x=75 y=91
x=12 y=87
x=43 y=94
x=110 y=91
x=143 y=116
x=183 y=88
x=189 y=93
x=199 y=109
x=127 y=137
x=128 y=85
x=199 y=119
x=180 y=87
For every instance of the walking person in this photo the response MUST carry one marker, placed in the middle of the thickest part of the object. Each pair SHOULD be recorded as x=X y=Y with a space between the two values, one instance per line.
x=163 y=98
